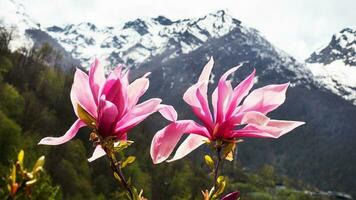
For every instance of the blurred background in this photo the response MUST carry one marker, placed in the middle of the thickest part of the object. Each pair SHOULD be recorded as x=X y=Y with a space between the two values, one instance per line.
x=311 y=44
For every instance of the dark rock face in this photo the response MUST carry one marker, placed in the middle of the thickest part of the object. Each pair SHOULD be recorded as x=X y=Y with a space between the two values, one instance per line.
x=341 y=47
x=55 y=29
x=163 y=20
x=322 y=152
x=138 y=25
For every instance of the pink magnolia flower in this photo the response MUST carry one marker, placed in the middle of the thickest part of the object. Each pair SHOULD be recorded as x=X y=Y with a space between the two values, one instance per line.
x=108 y=105
x=227 y=116
x=231 y=196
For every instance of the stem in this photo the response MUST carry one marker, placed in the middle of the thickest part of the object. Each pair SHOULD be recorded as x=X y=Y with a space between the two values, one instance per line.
x=216 y=170
x=116 y=168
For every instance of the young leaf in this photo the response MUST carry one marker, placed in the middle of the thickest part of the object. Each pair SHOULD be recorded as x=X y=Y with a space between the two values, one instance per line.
x=85 y=117
x=20 y=157
x=128 y=160
x=39 y=165
x=221 y=183
x=228 y=152
x=13 y=174
x=120 y=145
x=117 y=176
x=209 y=161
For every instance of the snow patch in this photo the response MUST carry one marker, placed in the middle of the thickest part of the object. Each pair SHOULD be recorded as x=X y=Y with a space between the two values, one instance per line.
x=336 y=77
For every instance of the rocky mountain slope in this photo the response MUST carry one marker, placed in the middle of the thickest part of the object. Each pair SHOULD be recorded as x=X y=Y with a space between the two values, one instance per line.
x=136 y=42
x=322 y=152
x=334 y=66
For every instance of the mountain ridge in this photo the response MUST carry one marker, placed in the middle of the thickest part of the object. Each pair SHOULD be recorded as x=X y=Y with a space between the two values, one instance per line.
x=334 y=66
x=175 y=51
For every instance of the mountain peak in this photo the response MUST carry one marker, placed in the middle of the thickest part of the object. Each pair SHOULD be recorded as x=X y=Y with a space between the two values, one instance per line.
x=88 y=25
x=138 y=25
x=334 y=66
x=138 y=40
x=219 y=13
x=341 y=47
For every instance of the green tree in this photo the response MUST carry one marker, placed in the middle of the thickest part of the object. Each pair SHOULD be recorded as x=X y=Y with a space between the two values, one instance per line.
x=5 y=66
x=11 y=102
x=10 y=139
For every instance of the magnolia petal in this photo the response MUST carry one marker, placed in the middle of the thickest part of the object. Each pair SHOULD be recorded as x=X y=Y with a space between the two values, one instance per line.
x=196 y=95
x=82 y=94
x=165 y=140
x=66 y=137
x=198 y=101
x=125 y=78
x=137 y=114
x=254 y=117
x=168 y=112
x=116 y=73
x=122 y=136
x=224 y=94
x=257 y=131
x=116 y=93
x=240 y=91
x=98 y=152
x=107 y=115
x=203 y=101
x=96 y=79
x=231 y=196
x=251 y=117
x=285 y=125
x=190 y=96
x=74 y=101
x=192 y=142
x=136 y=89
x=205 y=74
x=265 y=99
x=214 y=101
x=273 y=129
x=221 y=95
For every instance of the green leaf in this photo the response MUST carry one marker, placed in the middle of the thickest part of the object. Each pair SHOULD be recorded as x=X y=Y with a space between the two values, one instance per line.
x=122 y=144
x=209 y=161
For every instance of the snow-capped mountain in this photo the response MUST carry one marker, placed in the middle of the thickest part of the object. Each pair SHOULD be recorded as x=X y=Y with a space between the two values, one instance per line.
x=334 y=66
x=341 y=47
x=137 y=41
x=13 y=14
x=322 y=152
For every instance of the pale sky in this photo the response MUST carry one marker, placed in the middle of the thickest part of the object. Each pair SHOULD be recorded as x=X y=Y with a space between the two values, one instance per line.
x=296 y=26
